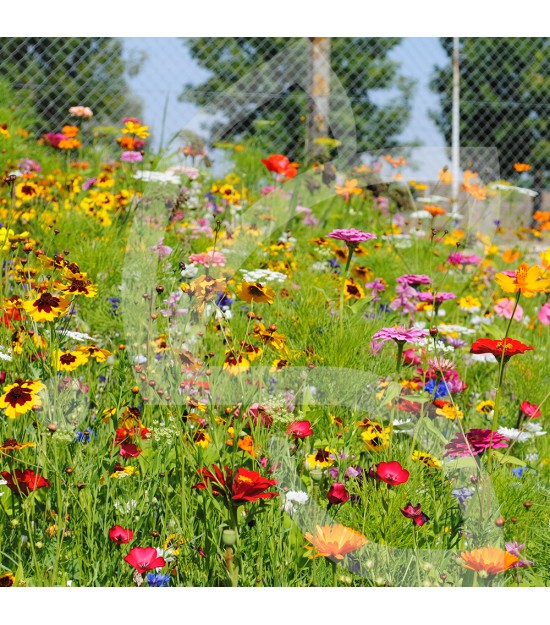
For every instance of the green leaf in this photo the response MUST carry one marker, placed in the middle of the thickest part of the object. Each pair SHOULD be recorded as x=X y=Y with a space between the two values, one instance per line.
x=503 y=459
x=466 y=462
x=428 y=424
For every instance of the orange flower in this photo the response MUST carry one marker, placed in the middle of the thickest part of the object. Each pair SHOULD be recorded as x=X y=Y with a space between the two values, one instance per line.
x=349 y=188
x=334 y=541
x=510 y=256
x=527 y=281
x=519 y=167
x=70 y=131
x=542 y=216
x=434 y=210
x=445 y=176
x=476 y=190
x=490 y=560
x=395 y=162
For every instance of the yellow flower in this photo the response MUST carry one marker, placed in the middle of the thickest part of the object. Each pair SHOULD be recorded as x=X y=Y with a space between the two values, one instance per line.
x=375 y=436
x=427 y=459
x=449 y=412
x=201 y=439
x=235 y=364
x=20 y=397
x=353 y=290
x=47 y=307
x=320 y=459
x=445 y=176
x=126 y=472
x=69 y=361
x=93 y=351
x=26 y=190
x=486 y=407
x=134 y=128
x=469 y=303
x=527 y=281
x=255 y=292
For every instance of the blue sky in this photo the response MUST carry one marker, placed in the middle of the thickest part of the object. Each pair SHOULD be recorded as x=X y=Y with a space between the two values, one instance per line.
x=168 y=66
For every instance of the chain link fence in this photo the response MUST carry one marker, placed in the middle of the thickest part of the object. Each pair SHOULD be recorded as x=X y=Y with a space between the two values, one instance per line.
x=379 y=93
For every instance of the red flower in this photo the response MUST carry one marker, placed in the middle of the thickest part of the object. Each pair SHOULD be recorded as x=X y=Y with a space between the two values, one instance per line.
x=392 y=473
x=218 y=481
x=489 y=346
x=415 y=513
x=259 y=414
x=530 y=410
x=120 y=535
x=129 y=450
x=144 y=559
x=25 y=481
x=299 y=429
x=337 y=494
x=245 y=485
x=276 y=163
x=251 y=486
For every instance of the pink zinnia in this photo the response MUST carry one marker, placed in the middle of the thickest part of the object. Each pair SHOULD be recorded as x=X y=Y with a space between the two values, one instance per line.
x=400 y=335
x=414 y=279
x=475 y=443
x=544 y=314
x=131 y=157
x=351 y=236
x=144 y=559
x=456 y=258
x=504 y=308
x=208 y=259
x=438 y=297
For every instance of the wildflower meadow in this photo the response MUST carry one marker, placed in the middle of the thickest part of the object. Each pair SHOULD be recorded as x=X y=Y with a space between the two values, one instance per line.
x=314 y=373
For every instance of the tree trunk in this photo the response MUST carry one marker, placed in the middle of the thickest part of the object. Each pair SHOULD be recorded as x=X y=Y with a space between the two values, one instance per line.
x=318 y=94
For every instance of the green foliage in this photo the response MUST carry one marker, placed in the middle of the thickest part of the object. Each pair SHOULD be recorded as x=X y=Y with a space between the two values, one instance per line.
x=504 y=95
x=360 y=63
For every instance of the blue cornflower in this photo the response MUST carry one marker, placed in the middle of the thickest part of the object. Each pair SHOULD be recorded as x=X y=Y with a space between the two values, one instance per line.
x=223 y=301
x=335 y=265
x=115 y=303
x=440 y=391
x=158 y=579
x=85 y=436
x=462 y=494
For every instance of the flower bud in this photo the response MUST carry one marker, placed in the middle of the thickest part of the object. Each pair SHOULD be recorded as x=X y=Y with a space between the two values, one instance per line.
x=229 y=537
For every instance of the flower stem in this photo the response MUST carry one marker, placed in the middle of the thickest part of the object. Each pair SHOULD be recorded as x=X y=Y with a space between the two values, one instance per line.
x=343 y=290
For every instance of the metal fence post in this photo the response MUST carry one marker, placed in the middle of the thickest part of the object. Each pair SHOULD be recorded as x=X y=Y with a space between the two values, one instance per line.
x=318 y=93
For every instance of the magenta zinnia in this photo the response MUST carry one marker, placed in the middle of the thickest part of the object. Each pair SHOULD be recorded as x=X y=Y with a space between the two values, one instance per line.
x=475 y=443
x=400 y=334
x=351 y=235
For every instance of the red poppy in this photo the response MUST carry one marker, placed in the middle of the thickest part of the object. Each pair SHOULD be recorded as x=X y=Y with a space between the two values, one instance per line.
x=120 y=535
x=337 y=494
x=299 y=429
x=392 y=473
x=251 y=486
x=530 y=410
x=415 y=513
x=144 y=559
x=25 y=481
x=490 y=346
x=276 y=163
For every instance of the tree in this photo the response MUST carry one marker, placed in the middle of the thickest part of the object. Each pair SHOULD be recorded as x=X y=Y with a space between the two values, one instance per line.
x=360 y=63
x=54 y=73
x=504 y=98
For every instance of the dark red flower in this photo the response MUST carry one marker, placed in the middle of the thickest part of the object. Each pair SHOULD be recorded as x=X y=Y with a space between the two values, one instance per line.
x=120 y=535
x=259 y=414
x=415 y=513
x=25 y=481
x=490 y=346
x=392 y=473
x=144 y=559
x=299 y=429
x=129 y=450
x=250 y=486
x=337 y=494
x=530 y=410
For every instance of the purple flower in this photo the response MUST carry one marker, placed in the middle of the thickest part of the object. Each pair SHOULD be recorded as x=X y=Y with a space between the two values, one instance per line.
x=89 y=183
x=131 y=157
x=403 y=299
x=351 y=235
x=438 y=297
x=162 y=250
x=514 y=548
x=400 y=335
x=27 y=164
x=456 y=258
x=377 y=286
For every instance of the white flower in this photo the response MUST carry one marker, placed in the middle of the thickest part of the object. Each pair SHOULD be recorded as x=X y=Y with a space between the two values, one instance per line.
x=292 y=497
x=420 y=215
x=534 y=428
x=157 y=176
x=78 y=336
x=509 y=187
x=126 y=508
x=432 y=199
x=515 y=435
x=139 y=360
x=4 y=356
x=190 y=271
x=263 y=275
x=449 y=328
x=482 y=357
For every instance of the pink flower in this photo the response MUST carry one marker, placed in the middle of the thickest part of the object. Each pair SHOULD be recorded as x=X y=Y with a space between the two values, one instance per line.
x=400 y=335
x=162 y=250
x=544 y=314
x=144 y=559
x=351 y=236
x=81 y=111
x=439 y=297
x=131 y=157
x=504 y=308
x=414 y=279
x=456 y=258
x=530 y=410
x=88 y=183
x=208 y=259
x=129 y=450
x=475 y=443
